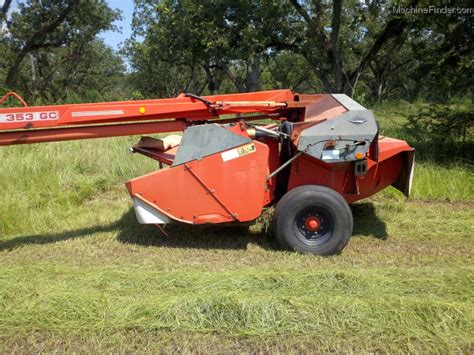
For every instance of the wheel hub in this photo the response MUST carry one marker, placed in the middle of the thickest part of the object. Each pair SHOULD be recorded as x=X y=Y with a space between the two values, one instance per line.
x=312 y=223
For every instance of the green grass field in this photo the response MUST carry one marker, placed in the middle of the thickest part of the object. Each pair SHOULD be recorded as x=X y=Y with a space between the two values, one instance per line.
x=79 y=274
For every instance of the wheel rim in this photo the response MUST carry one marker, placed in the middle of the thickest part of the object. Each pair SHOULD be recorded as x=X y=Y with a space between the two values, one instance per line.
x=313 y=226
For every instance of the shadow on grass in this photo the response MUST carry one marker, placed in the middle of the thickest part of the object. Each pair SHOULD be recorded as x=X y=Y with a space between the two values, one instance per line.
x=366 y=221
x=194 y=237
x=129 y=231
x=55 y=237
x=179 y=236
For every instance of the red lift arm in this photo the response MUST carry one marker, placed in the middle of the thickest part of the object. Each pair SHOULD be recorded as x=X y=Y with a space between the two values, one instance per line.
x=24 y=125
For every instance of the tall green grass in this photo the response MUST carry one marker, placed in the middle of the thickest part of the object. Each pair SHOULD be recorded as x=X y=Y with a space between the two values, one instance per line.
x=43 y=185
x=434 y=182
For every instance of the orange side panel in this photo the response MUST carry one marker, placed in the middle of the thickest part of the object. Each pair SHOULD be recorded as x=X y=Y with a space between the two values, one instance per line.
x=219 y=188
x=340 y=176
x=310 y=171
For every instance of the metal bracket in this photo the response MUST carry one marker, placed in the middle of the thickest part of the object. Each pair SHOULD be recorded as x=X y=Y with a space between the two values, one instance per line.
x=15 y=95
x=360 y=168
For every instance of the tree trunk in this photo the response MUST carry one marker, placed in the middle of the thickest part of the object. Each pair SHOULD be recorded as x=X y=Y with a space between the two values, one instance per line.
x=5 y=8
x=34 y=83
x=335 y=52
x=211 y=82
x=253 y=74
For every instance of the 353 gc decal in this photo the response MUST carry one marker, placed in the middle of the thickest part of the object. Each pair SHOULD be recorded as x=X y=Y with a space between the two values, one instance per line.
x=29 y=116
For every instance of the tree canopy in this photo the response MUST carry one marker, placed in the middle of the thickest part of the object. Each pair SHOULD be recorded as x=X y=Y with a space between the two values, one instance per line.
x=367 y=49
x=51 y=51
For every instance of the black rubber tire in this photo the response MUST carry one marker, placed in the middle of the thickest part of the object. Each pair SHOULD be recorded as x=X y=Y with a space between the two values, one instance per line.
x=330 y=207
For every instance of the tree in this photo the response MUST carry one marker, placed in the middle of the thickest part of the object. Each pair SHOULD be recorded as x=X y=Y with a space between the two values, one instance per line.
x=224 y=42
x=330 y=49
x=47 y=43
x=434 y=60
x=89 y=72
x=443 y=45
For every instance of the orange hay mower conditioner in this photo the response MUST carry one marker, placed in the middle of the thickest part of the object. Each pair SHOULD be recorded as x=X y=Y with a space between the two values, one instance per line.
x=321 y=153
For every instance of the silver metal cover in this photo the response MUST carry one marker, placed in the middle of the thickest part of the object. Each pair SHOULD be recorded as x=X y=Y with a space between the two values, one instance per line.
x=353 y=132
x=201 y=141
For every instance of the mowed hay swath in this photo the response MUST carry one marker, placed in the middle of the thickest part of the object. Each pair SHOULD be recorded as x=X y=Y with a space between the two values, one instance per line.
x=78 y=273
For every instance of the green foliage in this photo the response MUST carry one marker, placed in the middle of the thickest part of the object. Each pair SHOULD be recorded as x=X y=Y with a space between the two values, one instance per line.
x=446 y=131
x=444 y=123
x=80 y=275
x=375 y=54
x=444 y=45
x=206 y=45
x=52 y=54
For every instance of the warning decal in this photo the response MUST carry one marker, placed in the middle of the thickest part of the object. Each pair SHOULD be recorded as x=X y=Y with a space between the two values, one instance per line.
x=239 y=152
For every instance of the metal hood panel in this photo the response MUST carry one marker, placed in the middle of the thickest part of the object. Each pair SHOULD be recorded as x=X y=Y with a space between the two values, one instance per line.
x=350 y=133
x=201 y=141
